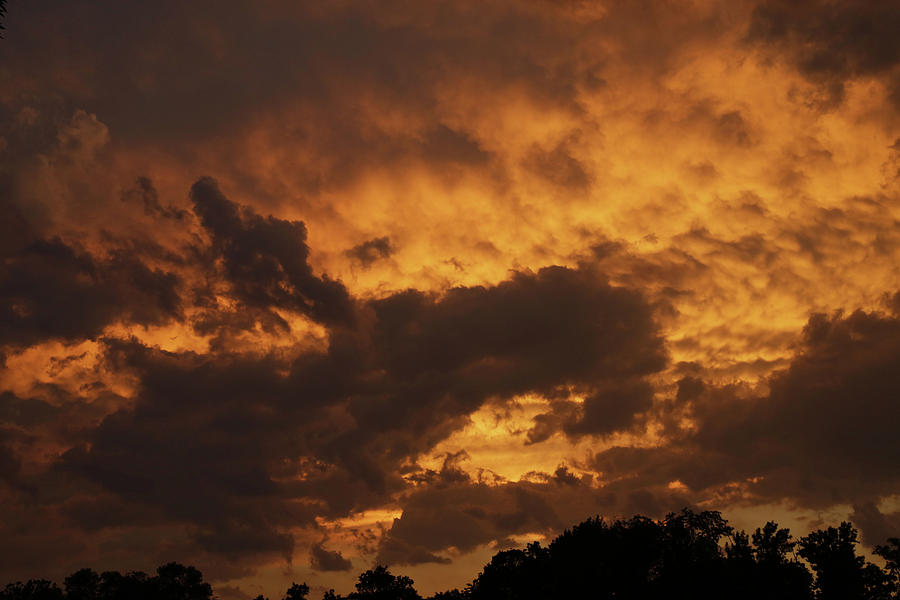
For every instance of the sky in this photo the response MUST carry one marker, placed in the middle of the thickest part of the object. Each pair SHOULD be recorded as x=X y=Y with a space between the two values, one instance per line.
x=290 y=289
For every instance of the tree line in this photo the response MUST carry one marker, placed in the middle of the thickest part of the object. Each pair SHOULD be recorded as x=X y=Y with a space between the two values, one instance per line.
x=694 y=555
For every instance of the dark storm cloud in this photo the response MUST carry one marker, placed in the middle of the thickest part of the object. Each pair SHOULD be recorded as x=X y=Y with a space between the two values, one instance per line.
x=228 y=443
x=321 y=77
x=25 y=412
x=52 y=414
x=823 y=435
x=197 y=447
x=10 y=463
x=462 y=514
x=875 y=526
x=327 y=560
x=93 y=512
x=145 y=194
x=425 y=363
x=557 y=329
x=558 y=167
x=266 y=259
x=52 y=290
x=220 y=60
x=533 y=332
x=611 y=408
x=833 y=41
x=372 y=250
x=52 y=286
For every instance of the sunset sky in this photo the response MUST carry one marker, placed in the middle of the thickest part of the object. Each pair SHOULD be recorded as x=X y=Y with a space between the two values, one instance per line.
x=289 y=289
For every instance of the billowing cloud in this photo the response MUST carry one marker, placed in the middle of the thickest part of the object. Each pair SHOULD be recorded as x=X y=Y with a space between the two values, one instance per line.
x=51 y=290
x=328 y=560
x=820 y=436
x=833 y=42
x=243 y=448
x=266 y=260
x=372 y=250
x=459 y=514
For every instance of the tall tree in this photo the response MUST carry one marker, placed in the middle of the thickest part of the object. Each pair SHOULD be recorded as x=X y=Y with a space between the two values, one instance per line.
x=178 y=582
x=840 y=573
x=297 y=592
x=83 y=585
x=381 y=584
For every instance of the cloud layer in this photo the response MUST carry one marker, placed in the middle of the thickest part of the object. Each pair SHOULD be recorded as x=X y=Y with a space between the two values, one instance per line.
x=317 y=286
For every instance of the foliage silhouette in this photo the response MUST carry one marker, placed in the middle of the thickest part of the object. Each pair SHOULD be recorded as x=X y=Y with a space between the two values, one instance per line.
x=34 y=589
x=694 y=555
x=83 y=585
x=686 y=555
x=840 y=573
x=297 y=592
x=380 y=584
x=890 y=552
x=177 y=582
x=173 y=581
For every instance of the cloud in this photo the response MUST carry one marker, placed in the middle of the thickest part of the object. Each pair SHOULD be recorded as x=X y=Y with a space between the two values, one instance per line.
x=243 y=447
x=52 y=290
x=460 y=515
x=876 y=527
x=558 y=167
x=144 y=193
x=327 y=560
x=611 y=219
x=10 y=465
x=832 y=43
x=471 y=345
x=195 y=451
x=266 y=259
x=821 y=436
x=369 y=251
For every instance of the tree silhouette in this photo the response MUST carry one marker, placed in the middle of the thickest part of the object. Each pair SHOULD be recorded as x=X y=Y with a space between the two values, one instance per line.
x=34 y=589
x=512 y=574
x=381 y=584
x=132 y=586
x=83 y=585
x=297 y=592
x=691 y=562
x=768 y=568
x=686 y=555
x=772 y=544
x=177 y=582
x=890 y=552
x=840 y=573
